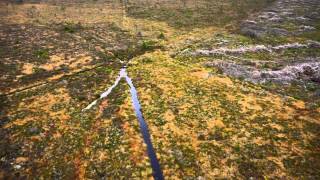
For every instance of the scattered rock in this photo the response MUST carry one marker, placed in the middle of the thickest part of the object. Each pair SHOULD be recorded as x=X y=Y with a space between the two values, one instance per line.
x=139 y=34
x=252 y=49
x=17 y=166
x=314 y=44
x=304 y=28
x=317 y=93
x=278 y=32
x=300 y=13
x=201 y=137
x=307 y=70
x=64 y=81
x=315 y=79
x=276 y=19
x=302 y=19
x=34 y=130
x=294 y=72
x=21 y=160
x=253 y=31
x=314 y=15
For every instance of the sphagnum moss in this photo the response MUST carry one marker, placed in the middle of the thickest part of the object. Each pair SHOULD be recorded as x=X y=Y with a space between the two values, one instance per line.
x=255 y=115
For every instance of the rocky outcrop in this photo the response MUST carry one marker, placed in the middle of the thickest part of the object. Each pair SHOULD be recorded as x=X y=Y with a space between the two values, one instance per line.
x=252 y=49
x=306 y=71
x=299 y=15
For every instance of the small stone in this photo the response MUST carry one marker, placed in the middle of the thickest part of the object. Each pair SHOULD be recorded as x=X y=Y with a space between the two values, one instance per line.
x=317 y=93
x=302 y=19
x=315 y=79
x=34 y=130
x=278 y=32
x=307 y=70
x=64 y=81
x=306 y=28
x=314 y=44
x=21 y=159
x=313 y=15
x=253 y=31
x=17 y=166
x=109 y=53
x=250 y=22
x=201 y=137
x=276 y=19
x=139 y=34
x=98 y=48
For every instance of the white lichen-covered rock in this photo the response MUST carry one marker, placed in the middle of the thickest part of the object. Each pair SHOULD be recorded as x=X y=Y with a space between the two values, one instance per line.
x=252 y=49
x=274 y=21
x=294 y=72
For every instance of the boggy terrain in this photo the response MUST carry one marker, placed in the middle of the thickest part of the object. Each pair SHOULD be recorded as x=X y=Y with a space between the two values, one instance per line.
x=228 y=89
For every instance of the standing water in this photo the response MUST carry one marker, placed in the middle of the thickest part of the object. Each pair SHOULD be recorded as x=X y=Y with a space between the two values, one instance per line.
x=122 y=74
x=157 y=173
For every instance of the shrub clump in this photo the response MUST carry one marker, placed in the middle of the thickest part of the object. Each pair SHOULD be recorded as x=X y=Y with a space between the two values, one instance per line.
x=42 y=54
x=70 y=27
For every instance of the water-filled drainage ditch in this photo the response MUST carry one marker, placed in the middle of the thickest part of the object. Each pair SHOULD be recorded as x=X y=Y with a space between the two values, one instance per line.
x=157 y=173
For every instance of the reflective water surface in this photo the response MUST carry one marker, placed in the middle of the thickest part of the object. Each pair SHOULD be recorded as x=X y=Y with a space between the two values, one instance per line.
x=157 y=173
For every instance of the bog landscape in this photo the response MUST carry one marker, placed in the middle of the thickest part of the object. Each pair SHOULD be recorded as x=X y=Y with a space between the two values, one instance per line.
x=160 y=89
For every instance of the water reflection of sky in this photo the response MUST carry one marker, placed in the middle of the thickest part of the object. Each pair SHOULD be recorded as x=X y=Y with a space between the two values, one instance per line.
x=157 y=173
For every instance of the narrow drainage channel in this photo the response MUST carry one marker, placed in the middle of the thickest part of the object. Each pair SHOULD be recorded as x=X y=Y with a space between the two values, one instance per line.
x=156 y=169
x=122 y=74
